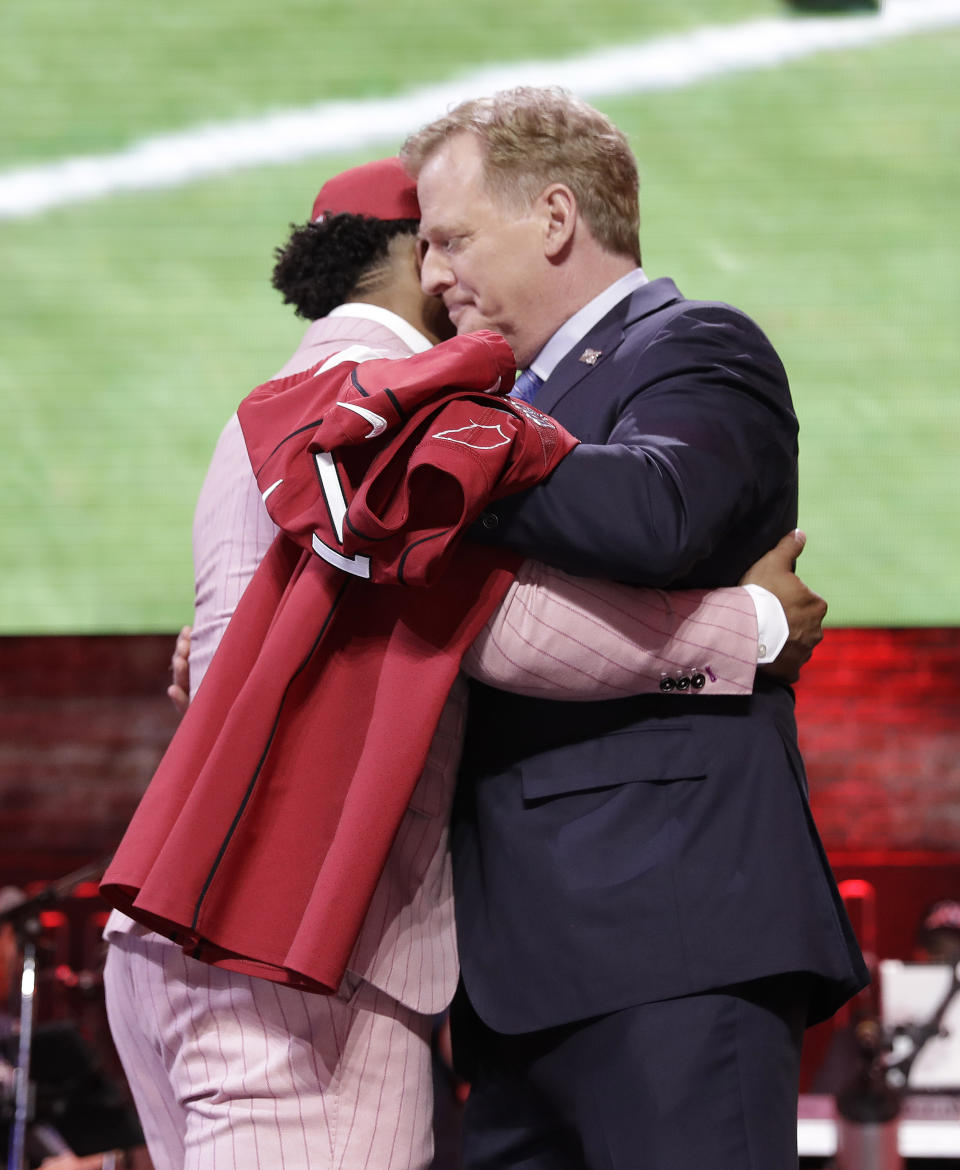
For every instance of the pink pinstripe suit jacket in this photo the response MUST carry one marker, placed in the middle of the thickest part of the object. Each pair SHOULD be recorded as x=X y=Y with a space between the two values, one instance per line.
x=554 y=636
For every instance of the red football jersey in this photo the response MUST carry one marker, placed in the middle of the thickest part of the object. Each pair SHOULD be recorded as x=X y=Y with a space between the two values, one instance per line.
x=263 y=833
x=378 y=466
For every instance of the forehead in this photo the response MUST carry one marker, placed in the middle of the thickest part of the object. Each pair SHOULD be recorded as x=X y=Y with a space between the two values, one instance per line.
x=451 y=188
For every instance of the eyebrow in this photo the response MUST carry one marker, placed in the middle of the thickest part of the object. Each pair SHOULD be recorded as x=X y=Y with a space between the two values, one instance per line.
x=442 y=227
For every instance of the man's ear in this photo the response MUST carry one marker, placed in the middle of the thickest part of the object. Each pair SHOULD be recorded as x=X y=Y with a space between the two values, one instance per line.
x=559 y=205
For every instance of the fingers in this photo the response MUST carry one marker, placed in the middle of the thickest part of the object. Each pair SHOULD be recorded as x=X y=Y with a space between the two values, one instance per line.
x=179 y=697
x=804 y=609
x=789 y=547
x=179 y=690
x=781 y=559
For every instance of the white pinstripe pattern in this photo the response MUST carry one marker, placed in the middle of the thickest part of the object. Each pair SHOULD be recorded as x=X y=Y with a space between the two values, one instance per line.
x=232 y=1073
x=238 y=1073
x=562 y=637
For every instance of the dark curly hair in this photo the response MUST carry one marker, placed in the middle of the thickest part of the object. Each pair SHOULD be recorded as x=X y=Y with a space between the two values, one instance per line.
x=322 y=264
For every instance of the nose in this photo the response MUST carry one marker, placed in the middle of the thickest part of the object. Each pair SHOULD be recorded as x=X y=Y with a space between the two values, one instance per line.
x=435 y=273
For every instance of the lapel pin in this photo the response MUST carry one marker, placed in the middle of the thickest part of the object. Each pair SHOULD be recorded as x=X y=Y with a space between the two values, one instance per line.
x=590 y=357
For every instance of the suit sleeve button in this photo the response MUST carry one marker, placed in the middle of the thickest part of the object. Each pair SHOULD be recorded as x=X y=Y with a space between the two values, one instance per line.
x=667 y=683
x=699 y=680
x=490 y=520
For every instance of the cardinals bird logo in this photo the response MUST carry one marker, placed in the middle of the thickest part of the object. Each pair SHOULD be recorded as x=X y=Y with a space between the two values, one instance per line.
x=480 y=436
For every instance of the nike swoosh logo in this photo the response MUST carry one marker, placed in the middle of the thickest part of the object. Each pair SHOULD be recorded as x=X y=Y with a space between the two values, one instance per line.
x=378 y=424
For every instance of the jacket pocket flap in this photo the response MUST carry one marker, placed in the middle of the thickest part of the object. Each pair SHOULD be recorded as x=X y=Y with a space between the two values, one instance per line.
x=646 y=755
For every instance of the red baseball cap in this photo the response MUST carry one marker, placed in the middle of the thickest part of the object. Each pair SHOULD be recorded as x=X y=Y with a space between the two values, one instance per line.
x=380 y=189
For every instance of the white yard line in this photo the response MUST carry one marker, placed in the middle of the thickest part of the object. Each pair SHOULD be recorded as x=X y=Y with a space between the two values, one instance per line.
x=172 y=160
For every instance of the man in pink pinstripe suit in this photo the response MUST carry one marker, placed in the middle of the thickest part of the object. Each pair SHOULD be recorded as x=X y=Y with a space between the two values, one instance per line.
x=230 y=1071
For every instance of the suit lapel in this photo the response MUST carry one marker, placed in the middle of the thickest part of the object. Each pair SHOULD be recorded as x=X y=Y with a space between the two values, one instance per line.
x=605 y=337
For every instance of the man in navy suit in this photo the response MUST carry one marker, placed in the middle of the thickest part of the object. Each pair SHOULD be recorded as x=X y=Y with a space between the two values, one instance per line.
x=646 y=918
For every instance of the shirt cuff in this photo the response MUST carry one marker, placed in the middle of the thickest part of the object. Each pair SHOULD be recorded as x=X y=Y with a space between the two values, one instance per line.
x=772 y=627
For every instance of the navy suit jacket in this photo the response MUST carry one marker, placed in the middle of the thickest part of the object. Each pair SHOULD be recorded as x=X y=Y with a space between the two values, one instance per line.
x=614 y=853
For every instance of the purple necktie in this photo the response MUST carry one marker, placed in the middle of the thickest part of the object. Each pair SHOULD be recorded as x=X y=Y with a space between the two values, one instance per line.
x=526 y=386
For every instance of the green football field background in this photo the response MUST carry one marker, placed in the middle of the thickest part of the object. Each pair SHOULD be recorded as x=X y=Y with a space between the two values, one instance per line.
x=820 y=196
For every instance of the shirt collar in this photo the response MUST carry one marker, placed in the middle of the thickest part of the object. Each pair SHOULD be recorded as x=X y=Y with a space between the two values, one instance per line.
x=575 y=328
x=412 y=338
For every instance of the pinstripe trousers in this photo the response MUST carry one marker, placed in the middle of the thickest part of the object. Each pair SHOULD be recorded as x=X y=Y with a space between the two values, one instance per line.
x=230 y=1072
